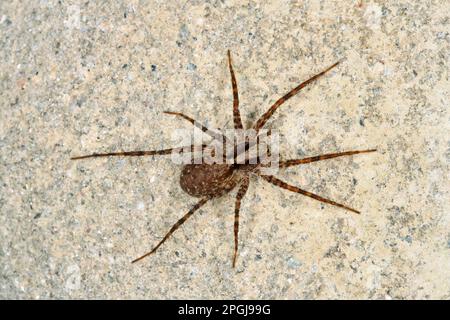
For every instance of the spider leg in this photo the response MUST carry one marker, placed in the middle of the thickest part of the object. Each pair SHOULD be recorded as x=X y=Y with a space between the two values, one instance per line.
x=174 y=228
x=244 y=147
x=141 y=153
x=236 y=113
x=214 y=134
x=241 y=193
x=266 y=116
x=289 y=187
x=294 y=162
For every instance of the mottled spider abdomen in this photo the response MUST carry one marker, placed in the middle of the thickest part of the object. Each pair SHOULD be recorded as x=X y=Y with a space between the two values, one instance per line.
x=207 y=180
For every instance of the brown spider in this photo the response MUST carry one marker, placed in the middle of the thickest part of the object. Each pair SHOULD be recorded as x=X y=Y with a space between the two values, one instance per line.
x=207 y=181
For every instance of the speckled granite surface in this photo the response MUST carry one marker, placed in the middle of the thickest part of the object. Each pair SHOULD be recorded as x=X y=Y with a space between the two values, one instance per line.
x=84 y=76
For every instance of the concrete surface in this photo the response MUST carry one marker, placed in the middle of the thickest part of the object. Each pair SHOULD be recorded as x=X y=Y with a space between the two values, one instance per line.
x=85 y=76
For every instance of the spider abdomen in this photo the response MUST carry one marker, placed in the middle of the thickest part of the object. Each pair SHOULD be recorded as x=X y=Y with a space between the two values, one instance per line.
x=207 y=180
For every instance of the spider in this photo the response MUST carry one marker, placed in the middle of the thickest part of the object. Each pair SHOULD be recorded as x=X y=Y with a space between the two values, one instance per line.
x=208 y=181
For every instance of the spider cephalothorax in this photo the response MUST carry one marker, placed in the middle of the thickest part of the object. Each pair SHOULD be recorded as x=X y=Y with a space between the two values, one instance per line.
x=207 y=181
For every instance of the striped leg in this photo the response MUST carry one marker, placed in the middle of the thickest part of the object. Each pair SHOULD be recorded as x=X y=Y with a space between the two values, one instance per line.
x=216 y=135
x=191 y=148
x=174 y=228
x=241 y=193
x=289 y=187
x=294 y=162
x=266 y=116
x=236 y=113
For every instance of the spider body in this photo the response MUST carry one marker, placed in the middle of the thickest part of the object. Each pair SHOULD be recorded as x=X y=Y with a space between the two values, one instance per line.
x=208 y=181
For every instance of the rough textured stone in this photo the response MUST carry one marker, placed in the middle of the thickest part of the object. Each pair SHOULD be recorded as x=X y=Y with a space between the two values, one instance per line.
x=87 y=76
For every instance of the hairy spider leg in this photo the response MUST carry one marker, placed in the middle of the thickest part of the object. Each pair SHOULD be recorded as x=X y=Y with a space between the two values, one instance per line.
x=266 y=116
x=191 y=148
x=294 y=162
x=284 y=185
x=244 y=147
x=240 y=194
x=236 y=114
x=214 y=134
x=174 y=228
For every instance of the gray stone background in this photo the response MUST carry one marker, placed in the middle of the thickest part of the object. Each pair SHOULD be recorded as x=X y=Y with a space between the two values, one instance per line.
x=85 y=76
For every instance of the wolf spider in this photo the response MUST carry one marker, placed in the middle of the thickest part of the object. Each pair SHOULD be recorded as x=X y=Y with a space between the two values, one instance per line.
x=207 y=181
